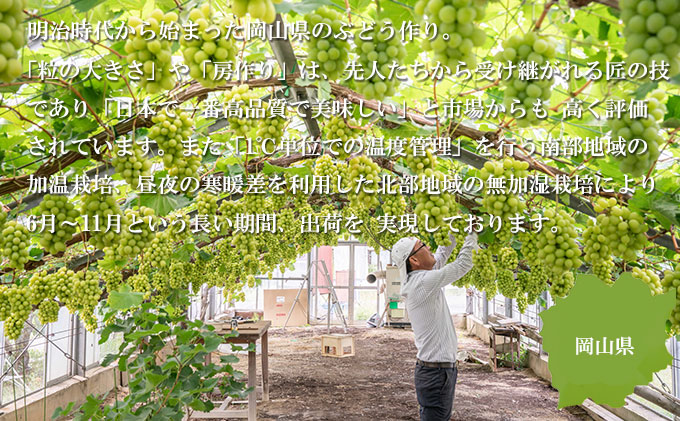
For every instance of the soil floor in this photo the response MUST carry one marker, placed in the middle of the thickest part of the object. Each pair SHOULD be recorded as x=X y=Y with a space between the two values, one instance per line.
x=377 y=383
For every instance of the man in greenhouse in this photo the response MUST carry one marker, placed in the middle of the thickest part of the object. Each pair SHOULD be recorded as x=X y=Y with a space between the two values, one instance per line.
x=424 y=276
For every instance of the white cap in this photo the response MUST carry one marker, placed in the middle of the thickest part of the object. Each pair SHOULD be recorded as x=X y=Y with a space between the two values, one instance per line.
x=400 y=253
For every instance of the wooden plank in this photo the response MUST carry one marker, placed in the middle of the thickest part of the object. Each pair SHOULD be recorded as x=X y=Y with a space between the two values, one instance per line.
x=220 y=414
x=597 y=412
x=663 y=400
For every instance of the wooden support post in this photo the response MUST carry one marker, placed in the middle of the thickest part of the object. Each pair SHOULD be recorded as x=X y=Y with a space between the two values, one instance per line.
x=252 y=382
x=265 y=366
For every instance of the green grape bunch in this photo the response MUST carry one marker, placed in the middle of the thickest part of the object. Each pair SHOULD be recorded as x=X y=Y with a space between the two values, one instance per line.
x=424 y=161
x=272 y=127
x=649 y=277
x=482 y=259
x=530 y=47
x=14 y=242
x=62 y=284
x=507 y=258
x=137 y=231
x=257 y=9
x=12 y=38
x=243 y=98
x=146 y=47
x=19 y=299
x=651 y=31
x=210 y=46
x=623 y=231
x=380 y=48
x=498 y=200
x=330 y=52
x=363 y=167
x=86 y=291
x=170 y=129
x=557 y=247
x=561 y=285
x=338 y=129
x=458 y=31
x=507 y=285
x=65 y=215
x=671 y=282
x=102 y=206
x=641 y=136
x=48 y=311
x=130 y=162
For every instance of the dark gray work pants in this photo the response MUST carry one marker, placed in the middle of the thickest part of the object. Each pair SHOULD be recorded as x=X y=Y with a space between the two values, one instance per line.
x=435 y=388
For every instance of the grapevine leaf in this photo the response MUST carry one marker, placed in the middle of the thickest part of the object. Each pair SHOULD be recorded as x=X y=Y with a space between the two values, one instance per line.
x=163 y=204
x=36 y=253
x=125 y=298
x=85 y=5
x=667 y=210
x=204 y=255
x=324 y=90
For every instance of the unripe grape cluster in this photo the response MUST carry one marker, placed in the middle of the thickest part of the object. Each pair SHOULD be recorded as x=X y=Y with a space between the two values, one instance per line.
x=561 y=285
x=147 y=48
x=649 y=277
x=557 y=247
x=623 y=231
x=498 y=200
x=507 y=285
x=63 y=211
x=242 y=98
x=129 y=161
x=535 y=284
x=507 y=258
x=671 y=282
x=458 y=33
x=483 y=261
x=246 y=244
x=325 y=166
x=363 y=167
x=86 y=291
x=170 y=129
x=330 y=52
x=641 y=136
x=12 y=38
x=15 y=241
x=257 y=9
x=136 y=232
x=529 y=247
x=62 y=282
x=421 y=162
x=97 y=204
x=380 y=47
x=48 y=311
x=42 y=286
x=206 y=204
x=210 y=46
x=273 y=128
x=651 y=31
x=529 y=47
x=19 y=299
x=338 y=129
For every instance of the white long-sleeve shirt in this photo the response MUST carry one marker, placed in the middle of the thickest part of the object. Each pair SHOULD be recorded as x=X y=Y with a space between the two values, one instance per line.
x=435 y=335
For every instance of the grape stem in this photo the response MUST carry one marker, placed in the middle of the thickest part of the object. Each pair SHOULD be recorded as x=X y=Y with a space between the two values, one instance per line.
x=572 y=95
x=21 y=117
x=540 y=19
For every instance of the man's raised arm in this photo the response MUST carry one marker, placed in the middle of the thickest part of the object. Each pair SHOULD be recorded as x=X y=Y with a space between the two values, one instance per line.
x=435 y=279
